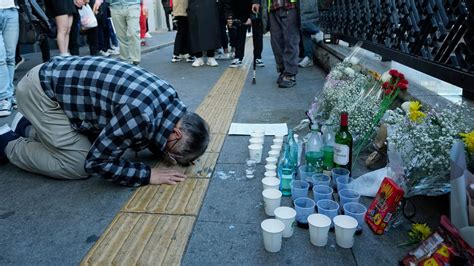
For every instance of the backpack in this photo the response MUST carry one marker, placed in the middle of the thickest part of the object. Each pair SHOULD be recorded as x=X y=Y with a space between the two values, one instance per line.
x=34 y=24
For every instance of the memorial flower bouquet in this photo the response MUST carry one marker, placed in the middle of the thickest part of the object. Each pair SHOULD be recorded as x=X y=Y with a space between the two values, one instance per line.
x=422 y=139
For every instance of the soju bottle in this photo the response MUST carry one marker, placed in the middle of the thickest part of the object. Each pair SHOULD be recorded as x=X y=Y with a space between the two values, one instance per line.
x=286 y=171
x=293 y=148
x=328 y=148
x=314 y=150
x=343 y=145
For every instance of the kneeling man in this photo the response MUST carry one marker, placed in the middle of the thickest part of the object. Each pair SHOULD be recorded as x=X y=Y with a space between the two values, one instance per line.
x=78 y=115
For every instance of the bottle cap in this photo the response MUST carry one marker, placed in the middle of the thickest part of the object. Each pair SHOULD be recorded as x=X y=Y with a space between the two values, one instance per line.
x=344 y=119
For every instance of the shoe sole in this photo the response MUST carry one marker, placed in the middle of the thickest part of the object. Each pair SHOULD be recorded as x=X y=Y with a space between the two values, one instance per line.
x=5 y=113
x=212 y=65
x=235 y=66
x=198 y=65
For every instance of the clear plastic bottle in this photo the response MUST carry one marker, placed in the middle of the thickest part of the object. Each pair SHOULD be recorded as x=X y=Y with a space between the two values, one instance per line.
x=314 y=150
x=329 y=135
x=286 y=171
x=293 y=148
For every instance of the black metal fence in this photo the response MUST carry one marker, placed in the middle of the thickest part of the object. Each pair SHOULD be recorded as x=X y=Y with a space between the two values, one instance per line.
x=432 y=36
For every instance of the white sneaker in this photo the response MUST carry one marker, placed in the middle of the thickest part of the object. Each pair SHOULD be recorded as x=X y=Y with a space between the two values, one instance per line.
x=223 y=56
x=306 y=62
x=198 y=62
x=113 y=52
x=175 y=59
x=102 y=53
x=211 y=61
x=147 y=35
x=5 y=107
x=318 y=37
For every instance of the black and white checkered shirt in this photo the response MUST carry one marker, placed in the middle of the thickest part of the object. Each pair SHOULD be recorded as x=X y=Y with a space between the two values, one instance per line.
x=123 y=105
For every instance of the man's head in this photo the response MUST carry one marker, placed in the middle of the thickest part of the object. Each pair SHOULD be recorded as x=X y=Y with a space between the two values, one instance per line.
x=188 y=140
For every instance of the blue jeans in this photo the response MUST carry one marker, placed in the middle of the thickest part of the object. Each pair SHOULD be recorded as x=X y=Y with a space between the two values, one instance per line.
x=9 y=31
x=307 y=30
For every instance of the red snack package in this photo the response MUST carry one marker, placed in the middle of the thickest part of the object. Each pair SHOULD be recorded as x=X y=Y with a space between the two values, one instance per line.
x=384 y=205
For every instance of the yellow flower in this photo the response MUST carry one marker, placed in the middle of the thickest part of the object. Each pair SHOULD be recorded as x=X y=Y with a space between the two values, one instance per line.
x=414 y=112
x=468 y=139
x=419 y=232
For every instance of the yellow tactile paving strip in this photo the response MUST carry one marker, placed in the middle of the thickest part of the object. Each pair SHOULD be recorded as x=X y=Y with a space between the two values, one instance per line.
x=154 y=226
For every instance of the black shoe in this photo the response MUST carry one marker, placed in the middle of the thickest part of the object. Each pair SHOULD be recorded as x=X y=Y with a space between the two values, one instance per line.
x=287 y=82
x=6 y=135
x=279 y=79
x=20 y=125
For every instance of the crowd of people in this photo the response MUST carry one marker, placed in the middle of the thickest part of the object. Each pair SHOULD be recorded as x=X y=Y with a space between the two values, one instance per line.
x=71 y=128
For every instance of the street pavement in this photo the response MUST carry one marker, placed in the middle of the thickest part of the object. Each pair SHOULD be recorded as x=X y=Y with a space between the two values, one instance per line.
x=51 y=222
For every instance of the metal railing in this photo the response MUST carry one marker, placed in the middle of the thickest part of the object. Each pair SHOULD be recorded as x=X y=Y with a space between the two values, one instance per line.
x=433 y=36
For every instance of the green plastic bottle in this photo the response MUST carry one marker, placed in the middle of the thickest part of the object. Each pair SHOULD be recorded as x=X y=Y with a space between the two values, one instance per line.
x=286 y=171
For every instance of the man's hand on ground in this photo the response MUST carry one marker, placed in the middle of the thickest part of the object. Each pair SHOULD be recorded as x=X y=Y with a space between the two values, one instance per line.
x=166 y=176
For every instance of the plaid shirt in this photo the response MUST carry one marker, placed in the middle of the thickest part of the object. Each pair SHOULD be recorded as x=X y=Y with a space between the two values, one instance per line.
x=121 y=105
x=286 y=4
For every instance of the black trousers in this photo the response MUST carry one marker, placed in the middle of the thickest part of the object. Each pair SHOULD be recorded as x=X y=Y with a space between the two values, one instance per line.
x=74 y=35
x=181 y=41
x=103 y=30
x=223 y=26
x=257 y=37
x=240 y=37
x=209 y=53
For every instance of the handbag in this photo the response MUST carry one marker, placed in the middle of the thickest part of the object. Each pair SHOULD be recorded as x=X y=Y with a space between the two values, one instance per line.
x=88 y=19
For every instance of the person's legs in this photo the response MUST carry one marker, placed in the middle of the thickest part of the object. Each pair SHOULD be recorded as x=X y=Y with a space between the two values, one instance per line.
x=63 y=24
x=44 y=46
x=276 y=39
x=93 y=40
x=167 y=19
x=119 y=16
x=133 y=32
x=74 y=35
x=291 y=39
x=56 y=150
x=308 y=50
x=181 y=40
x=241 y=35
x=9 y=30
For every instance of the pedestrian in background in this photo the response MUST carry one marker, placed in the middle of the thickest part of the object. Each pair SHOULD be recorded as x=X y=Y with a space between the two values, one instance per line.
x=285 y=36
x=238 y=13
x=182 y=42
x=167 y=8
x=9 y=31
x=309 y=17
x=62 y=12
x=204 y=30
x=126 y=19
x=143 y=24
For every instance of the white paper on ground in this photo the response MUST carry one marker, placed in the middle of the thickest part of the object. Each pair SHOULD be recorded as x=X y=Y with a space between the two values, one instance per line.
x=246 y=129
x=368 y=184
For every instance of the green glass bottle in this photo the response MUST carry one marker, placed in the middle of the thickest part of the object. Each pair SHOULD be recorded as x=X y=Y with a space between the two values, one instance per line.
x=343 y=145
x=286 y=171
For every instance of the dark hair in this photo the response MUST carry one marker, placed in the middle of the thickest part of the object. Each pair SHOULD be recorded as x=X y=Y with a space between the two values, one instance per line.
x=196 y=138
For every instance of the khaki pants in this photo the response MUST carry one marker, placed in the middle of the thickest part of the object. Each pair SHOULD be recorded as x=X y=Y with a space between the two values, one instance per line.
x=53 y=148
x=126 y=21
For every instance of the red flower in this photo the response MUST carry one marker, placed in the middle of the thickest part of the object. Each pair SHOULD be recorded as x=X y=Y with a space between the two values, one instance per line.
x=402 y=86
x=393 y=73
x=385 y=85
x=388 y=91
x=401 y=76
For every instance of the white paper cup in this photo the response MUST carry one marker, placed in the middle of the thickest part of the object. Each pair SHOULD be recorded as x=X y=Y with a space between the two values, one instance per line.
x=345 y=230
x=272 y=234
x=271 y=200
x=256 y=141
x=255 y=152
x=270 y=167
x=275 y=147
x=271 y=160
x=270 y=174
x=318 y=229
x=270 y=182
x=287 y=216
x=278 y=142
x=274 y=154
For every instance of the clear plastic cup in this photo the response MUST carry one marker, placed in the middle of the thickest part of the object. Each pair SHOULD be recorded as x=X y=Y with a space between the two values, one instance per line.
x=321 y=192
x=319 y=225
x=348 y=195
x=305 y=172
x=304 y=207
x=299 y=188
x=321 y=179
x=287 y=216
x=272 y=234
x=357 y=211
x=329 y=208
x=346 y=227
x=343 y=183
x=340 y=172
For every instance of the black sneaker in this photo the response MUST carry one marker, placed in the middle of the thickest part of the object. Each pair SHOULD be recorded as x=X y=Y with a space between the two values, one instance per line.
x=6 y=135
x=236 y=63
x=20 y=125
x=280 y=78
x=287 y=82
x=259 y=62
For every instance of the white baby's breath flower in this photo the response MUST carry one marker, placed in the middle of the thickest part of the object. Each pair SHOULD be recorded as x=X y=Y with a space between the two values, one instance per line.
x=354 y=60
x=406 y=107
x=385 y=77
